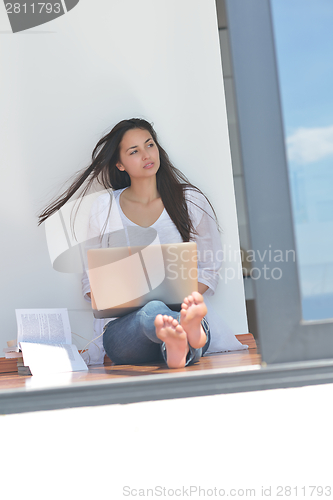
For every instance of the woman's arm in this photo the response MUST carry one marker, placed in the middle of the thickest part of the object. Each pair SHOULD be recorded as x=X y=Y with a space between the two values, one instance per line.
x=202 y=288
x=209 y=248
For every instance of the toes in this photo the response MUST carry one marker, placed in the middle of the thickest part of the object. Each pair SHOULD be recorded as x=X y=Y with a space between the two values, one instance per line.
x=166 y=321
x=159 y=321
x=194 y=298
x=188 y=301
x=197 y=297
x=170 y=321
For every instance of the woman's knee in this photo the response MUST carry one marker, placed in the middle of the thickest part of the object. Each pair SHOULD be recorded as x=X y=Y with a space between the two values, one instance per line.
x=155 y=307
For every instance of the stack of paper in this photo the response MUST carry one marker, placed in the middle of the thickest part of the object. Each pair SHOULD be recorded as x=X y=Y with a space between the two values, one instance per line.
x=44 y=343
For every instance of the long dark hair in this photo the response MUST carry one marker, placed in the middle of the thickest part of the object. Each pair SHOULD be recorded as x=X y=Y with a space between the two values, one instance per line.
x=171 y=182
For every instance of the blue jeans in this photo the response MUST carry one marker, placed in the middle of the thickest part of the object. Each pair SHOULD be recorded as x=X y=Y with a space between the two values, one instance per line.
x=131 y=339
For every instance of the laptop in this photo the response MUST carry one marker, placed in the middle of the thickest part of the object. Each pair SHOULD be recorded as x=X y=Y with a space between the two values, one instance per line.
x=123 y=279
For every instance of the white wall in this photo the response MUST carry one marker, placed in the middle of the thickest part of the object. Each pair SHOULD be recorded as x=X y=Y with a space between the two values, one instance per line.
x=63 y=84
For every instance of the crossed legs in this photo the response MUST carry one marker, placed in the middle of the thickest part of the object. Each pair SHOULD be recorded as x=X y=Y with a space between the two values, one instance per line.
x=139 y=336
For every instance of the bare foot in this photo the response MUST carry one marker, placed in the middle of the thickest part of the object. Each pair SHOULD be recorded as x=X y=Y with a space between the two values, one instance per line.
x=192 y=311
x=171 y=332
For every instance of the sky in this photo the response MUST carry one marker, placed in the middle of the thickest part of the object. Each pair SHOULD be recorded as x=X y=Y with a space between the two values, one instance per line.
x=304 y=43
x=304 y=46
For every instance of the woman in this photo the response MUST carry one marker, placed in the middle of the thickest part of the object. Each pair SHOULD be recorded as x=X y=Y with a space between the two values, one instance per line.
x=149 y=192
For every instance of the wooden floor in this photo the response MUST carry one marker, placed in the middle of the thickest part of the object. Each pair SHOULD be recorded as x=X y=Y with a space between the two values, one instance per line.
x=11 y=380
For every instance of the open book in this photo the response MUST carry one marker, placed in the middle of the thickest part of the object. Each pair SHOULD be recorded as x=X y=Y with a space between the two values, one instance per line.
x=45 y=341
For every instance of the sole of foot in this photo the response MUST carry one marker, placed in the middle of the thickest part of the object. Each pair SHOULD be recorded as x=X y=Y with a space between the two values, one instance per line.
x=192 y=311
x=172 y=333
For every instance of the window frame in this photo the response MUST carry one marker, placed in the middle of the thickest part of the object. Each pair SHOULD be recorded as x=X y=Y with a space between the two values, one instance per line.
x=284 y=336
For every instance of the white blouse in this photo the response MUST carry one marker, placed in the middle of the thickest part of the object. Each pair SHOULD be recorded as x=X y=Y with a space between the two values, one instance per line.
x=107 y=216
